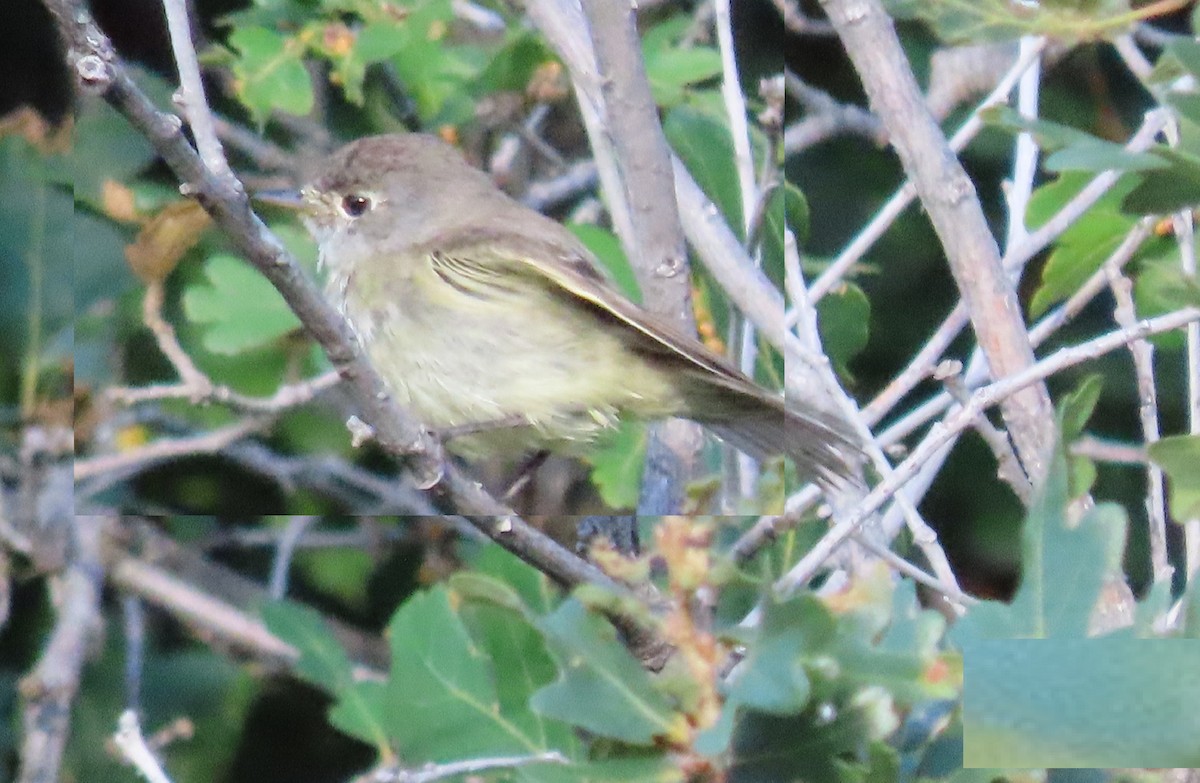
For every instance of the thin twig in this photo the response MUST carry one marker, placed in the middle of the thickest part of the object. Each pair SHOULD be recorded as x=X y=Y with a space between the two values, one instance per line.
x=825 y=117
x=544 y=194
x=945 y=432
x=796 y=21
x=288 y=396
x=164 y=335
x=285 y=548
x=1019 y=188
x=924 y=536
x=883 y=219
x=1125 y=314
x=434 y=772
x=742 y=332
x=190 y=96
x=166 y=449
x=1008 y=466
x=1108 y=451
x=132 y=744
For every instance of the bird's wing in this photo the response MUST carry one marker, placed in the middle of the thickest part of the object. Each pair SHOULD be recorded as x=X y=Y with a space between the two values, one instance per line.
x=487 y=256
x=819 y=442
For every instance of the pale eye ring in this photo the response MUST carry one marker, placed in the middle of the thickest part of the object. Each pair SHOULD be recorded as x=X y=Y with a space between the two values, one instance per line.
x=356 y=205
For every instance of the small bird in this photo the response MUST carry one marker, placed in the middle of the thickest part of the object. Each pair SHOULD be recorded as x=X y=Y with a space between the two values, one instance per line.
x=495 y=326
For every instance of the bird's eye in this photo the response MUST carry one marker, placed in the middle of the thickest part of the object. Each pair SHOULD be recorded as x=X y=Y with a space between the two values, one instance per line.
x=356 y=205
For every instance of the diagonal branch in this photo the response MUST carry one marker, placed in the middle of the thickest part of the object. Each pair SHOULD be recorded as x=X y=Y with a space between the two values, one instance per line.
x=949 y=197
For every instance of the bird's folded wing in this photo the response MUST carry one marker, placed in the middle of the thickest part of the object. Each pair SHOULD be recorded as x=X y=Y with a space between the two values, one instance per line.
x=490 y=255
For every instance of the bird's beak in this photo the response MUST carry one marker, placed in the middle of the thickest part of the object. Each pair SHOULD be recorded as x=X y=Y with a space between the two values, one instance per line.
x=283 y=197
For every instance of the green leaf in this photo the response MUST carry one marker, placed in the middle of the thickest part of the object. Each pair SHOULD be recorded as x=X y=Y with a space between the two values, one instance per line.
x=441 y=698
x=906 y=661
x=536 y=593
x=884 y=764
x=1083 y=474
x=358 y=711
x=670 y=72
x=772 y=677
x=322 y=661
x=670 y=67
x=617 y=464
x=1187 y=104
x=361 y=711
x=38 y=245
x=607 y=249
x=1077 y=406
x=1179 y=457
x=664 y=35
x=433 y=69
x=1160 y=287
x=883 y=648
x=798 y=213
x=844 y=320
x=513 y=66
x=1109 y=702
x=474 y=586
x=270 y=73
x=1163 y=288
x=1079 y=253
x=787 y=209
x=238 y=309
x=706 y=149
x=1083 y=247
x=518 y=650
x=1063 y=567
x=1169 y=189
x=601 y=688
x=1072 y=149
x=375 y=42
x=1186 y=52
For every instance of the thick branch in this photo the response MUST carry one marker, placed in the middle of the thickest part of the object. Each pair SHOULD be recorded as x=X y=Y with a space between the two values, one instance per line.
x=658 y=253
x=50 y=688
x=949 y=198
x=656 y=247
x=714 y=243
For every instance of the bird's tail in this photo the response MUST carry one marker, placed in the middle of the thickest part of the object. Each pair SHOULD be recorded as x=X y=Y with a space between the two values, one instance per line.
x=762 y=425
